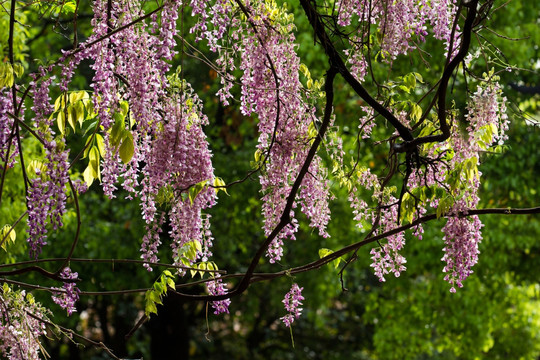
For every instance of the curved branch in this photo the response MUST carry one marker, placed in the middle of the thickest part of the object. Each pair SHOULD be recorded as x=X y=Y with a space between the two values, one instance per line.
x=443 y=84
x=337 y=62
x=352 y=247
x=50 y=275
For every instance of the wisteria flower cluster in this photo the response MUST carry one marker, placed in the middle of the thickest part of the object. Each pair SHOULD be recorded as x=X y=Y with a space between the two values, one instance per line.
x=271 y=89
x=292 y=302
x=70 y=294
x=217 y=287
x=47 y=193
x=162 y=125
x=399 y=23
x=20 y=325
x=7 y=130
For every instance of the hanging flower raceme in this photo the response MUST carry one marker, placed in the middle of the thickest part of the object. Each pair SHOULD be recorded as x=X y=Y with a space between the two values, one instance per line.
x=7 y=130
x=387 y=258
x=488 y=123
x=292 y=302
x=461 y=239
x=47 y=192
x=399 y=24
x=130 y=65
x=216 y=287
x=178 y=173
x=70 y=294
x=271 y=88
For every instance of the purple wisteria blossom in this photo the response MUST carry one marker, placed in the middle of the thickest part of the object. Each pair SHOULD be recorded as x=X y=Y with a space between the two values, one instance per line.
x=47 y=192
x=386 y=258
x=401 y=25
x=461 y=239
x=67 y=298
x=271 y=89
x=20 y=328
x=216 y=287
x=7 y=130
x=292 y=302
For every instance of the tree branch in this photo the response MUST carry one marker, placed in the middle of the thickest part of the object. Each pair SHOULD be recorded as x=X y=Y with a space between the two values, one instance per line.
x=350 y=248
x=336 y=61
x=443 y=84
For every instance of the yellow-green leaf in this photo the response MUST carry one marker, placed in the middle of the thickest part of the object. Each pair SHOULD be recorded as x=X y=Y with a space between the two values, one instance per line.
x=100 y=144
x=124 y=108
x=79 y=112
x=202 y=266
x=71 y=116
x=88 y=176
x=61 y=121
x=219 y=184
x=18 y=69
x=127 y=149
x=324 y=252
x=12 y=236
x=59 y=102
x=197 y=245
x=195 y=190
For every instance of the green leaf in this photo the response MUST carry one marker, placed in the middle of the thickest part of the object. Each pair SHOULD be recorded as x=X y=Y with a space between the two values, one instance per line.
x=93 y=125
x=444 y=205
x=6 y=75
x=150 y=308
x=59 y=103
x=76 y=96
x=89 y=105
x=127 y=149
x=18 y=69
x=61 y=121
x=324 y=252
x=202 y=266
x=71 y=116
x=88 y=176
x=100 y=144
x=416 y=112
x=159 y=287
x=407 y=208
x=68 y=7
x=410 y=81
x=93 y=164
x=78 y=109
x=36 y=167
x=124 y=108
x=117 y=132
x=197 y=245
x=405 y=88
x=304 y=70
x=196 y=190
x=11 y=237
x=191 y=254
x=219 y=184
